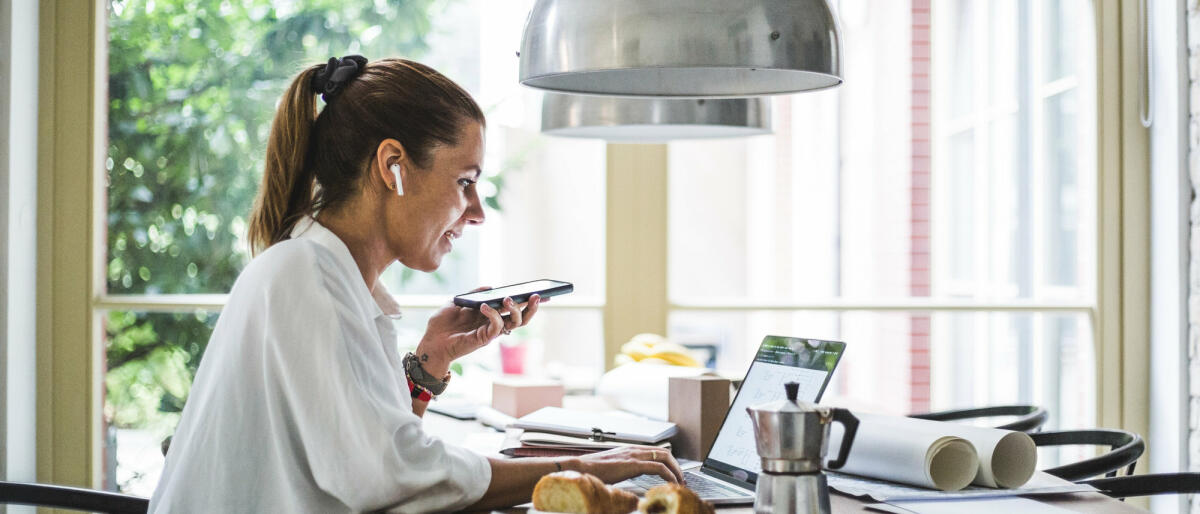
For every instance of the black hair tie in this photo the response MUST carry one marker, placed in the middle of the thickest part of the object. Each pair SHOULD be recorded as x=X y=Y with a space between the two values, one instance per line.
x=329 y=81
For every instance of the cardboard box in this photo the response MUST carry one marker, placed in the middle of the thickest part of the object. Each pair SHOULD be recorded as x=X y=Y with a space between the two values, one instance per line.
x=698 y=406
x=520 y=396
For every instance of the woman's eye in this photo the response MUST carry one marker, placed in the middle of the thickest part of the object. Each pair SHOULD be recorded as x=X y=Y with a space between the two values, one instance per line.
x=465 y=182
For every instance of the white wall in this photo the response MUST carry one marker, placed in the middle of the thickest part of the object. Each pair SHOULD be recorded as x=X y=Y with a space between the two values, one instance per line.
x=18 y=243
x=1170 y=196
x=1162 y=424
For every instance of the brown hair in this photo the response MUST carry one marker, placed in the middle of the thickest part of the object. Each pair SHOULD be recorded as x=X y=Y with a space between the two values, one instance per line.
x=315 y=161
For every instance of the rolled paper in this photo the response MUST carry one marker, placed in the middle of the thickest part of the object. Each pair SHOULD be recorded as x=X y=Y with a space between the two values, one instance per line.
x=937 y=455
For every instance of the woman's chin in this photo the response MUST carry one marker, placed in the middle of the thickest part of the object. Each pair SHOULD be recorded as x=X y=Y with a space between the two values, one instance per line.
x=433 y=264
x=427 y=266
x=430 y=267
x=428 y=261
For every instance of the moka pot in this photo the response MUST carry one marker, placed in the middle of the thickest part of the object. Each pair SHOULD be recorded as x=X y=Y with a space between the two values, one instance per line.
x=791 y=437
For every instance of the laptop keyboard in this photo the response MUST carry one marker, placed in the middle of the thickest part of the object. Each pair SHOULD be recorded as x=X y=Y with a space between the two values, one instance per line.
x=704 y=487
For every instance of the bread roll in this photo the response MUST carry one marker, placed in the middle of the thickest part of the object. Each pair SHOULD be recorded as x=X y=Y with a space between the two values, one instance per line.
x=673 y=499
x=580 y=493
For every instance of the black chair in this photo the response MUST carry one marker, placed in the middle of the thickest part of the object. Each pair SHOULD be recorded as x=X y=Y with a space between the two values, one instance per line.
x=1029 y=418
x=1146 y=485
x=73 y=498
x=1124 y=450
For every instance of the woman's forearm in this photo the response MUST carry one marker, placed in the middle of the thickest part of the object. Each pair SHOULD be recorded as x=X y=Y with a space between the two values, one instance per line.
x=419 y=407
x=513 y=480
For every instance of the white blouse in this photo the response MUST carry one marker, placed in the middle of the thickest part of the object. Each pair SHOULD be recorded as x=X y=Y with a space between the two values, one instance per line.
x=301 y=402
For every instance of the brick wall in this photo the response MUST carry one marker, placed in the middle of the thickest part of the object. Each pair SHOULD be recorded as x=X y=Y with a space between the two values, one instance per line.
x=1193 y=41
x=919 y=277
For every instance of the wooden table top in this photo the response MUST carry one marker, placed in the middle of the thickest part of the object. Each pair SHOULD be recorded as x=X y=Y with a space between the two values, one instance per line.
x=461 y=432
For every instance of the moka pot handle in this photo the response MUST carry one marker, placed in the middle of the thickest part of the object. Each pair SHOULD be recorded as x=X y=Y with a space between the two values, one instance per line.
x=850 y=422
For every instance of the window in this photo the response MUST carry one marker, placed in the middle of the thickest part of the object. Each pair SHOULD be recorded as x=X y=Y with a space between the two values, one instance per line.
x=1018 y=182
x=188 y=123
x=946 y=232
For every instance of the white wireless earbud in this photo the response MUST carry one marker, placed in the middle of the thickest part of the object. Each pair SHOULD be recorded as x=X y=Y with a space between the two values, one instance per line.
x=396 y=173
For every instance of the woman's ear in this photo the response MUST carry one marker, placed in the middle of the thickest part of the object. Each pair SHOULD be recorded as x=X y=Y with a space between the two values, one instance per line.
x=391 y=165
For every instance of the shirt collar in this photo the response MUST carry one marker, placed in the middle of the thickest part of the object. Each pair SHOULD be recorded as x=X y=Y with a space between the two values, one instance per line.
x=382 y=301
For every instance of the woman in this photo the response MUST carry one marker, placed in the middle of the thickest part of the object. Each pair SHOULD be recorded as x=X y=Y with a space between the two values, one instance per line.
x=301 y=403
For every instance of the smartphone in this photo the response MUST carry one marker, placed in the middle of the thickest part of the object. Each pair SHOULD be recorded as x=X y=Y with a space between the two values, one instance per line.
x=520 y=293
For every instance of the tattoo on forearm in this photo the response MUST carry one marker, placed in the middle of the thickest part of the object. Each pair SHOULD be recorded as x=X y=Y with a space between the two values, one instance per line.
x=424 y=357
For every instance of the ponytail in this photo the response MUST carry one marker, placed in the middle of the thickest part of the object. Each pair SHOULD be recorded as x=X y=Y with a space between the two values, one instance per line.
x=286 y=193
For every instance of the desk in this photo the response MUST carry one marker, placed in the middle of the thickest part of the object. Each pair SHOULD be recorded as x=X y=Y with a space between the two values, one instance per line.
x=457 y=432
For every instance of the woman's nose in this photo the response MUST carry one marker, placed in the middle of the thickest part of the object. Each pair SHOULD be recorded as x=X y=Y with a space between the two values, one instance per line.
x=474 y=213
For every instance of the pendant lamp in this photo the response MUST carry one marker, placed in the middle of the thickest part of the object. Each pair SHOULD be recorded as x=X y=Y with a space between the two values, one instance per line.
x=681 y=48
x=645 y=120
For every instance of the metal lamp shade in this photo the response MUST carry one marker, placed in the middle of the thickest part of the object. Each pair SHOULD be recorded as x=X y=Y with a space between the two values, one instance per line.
x=681 y=48
x=645 y=120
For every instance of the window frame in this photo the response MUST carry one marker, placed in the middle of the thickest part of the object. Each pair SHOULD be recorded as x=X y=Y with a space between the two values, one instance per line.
x=73 y=43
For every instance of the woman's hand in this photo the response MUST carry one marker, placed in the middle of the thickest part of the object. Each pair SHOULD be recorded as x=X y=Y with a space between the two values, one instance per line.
x=455 y=331
x=619 y=464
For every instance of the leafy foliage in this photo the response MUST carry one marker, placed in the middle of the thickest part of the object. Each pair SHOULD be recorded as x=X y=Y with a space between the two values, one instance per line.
x=192 y=88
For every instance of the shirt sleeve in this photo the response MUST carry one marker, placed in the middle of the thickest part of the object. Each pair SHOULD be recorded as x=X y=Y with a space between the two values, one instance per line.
x=342 y=398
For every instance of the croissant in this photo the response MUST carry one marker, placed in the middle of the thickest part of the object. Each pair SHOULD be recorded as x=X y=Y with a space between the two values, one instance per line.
x=580 y=493
x=673 y=499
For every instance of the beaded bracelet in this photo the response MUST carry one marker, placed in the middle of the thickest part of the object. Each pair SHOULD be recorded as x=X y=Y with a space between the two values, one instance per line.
x=418 y=392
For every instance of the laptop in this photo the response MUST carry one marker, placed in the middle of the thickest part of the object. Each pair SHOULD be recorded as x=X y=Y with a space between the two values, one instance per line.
x=728 y=474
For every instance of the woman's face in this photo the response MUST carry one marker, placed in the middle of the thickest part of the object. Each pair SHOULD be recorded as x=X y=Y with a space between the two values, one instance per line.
x=440 y=201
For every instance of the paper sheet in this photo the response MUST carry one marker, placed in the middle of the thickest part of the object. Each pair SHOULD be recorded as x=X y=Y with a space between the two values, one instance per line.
x=986 y=506
x=937 y=455
x=583 y=423
x=494 y=418
x=883 y=491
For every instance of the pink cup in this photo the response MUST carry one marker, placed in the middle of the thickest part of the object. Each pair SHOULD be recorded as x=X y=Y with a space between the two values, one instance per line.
x=512 y=359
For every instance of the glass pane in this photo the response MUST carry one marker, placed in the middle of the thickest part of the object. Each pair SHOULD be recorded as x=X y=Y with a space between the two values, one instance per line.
x=962 y=95
x=1003 y=48
x=188 y=124
x=187 y=131
x=1011 y=215
x=962 y=216
x=1059 y=21
x=150 y=361
x=984 y=359
x=1009 y=193
x=832 y=205
x=785 y=216
x=967 y=359
x=1063 y=199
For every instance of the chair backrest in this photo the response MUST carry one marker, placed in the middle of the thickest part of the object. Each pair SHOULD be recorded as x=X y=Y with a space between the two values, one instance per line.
x=1029 y=418
x=1124 y=450
x=63 y=497
x=1146 y=485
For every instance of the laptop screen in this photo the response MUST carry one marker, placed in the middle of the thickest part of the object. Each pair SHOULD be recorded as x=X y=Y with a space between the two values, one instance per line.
x=810 y=362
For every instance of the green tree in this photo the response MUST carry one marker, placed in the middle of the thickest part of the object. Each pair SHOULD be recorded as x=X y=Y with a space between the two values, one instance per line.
x=192 y=89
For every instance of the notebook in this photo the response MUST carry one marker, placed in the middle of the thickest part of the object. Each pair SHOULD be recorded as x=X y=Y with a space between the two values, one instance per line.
x=601 y=426
x=729 y=473
x=519 y=443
